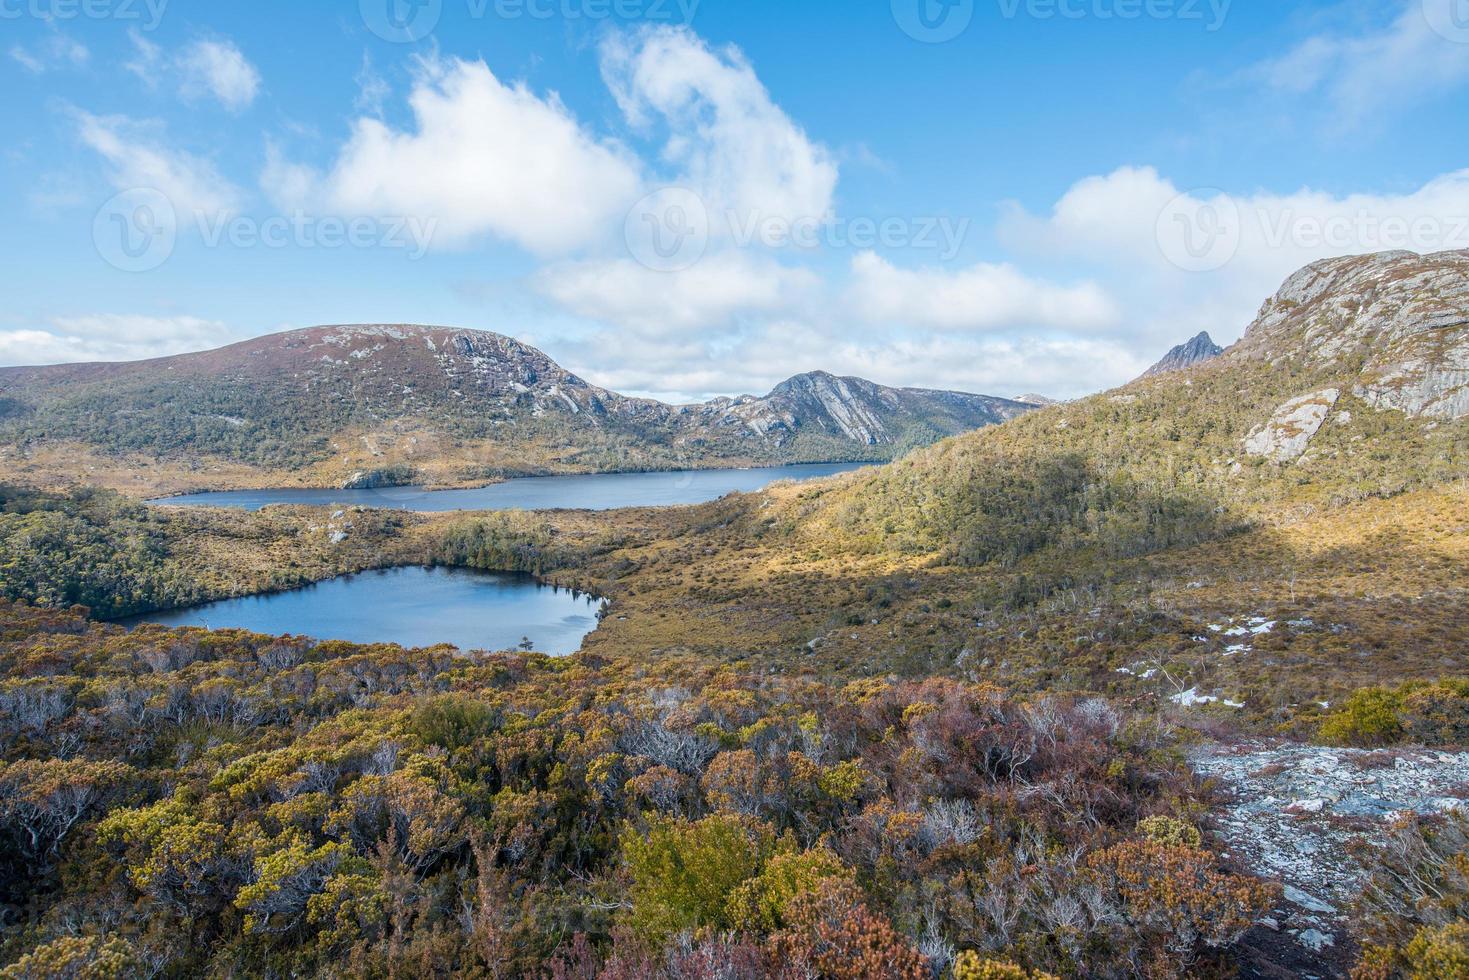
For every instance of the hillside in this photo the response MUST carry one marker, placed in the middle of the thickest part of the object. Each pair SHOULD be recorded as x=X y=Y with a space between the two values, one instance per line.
x=1073 y=655
x=327 y=405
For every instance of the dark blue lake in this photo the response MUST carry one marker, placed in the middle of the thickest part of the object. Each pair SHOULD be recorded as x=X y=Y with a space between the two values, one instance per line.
x=598 y=491
x=416 y=607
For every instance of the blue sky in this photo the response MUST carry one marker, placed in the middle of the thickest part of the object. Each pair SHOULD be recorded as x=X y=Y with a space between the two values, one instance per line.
x=1024 y=195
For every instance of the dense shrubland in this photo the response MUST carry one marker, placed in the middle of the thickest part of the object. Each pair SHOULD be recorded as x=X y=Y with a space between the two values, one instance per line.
x=178 y=802
x=119 y=557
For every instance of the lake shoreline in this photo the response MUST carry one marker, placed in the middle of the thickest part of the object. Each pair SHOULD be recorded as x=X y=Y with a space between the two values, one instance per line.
x=404 y=604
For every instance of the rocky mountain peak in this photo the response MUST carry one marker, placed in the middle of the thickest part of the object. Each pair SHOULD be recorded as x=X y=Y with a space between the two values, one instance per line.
x=1186 y=355
x=1395 y=325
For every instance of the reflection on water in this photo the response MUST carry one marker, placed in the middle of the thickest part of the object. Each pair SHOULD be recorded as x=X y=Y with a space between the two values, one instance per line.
x=415 y=607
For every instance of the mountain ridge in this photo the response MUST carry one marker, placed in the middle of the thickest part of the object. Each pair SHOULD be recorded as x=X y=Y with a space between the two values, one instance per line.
x=391 y=402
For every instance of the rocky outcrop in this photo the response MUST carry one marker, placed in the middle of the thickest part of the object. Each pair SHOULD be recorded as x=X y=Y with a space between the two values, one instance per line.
x=852 y=410
x=1196 y=351
x=397 y=476
x=1395 y=323
x=1295 y=812
x=1285 y=437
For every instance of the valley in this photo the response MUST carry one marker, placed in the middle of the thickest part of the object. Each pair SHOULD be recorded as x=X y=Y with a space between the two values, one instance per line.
x=923 y=684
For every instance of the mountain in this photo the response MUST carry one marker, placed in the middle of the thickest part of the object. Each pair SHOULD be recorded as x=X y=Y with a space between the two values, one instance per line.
x=390 y=403
x=1353 y=382
x=1196 y=351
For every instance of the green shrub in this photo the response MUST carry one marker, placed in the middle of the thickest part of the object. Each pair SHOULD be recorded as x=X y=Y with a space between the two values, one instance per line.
x=684 y=872
x=1369 y=717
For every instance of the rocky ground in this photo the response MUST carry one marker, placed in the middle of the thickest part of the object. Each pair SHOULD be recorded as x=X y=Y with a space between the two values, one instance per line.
x=1291 y=814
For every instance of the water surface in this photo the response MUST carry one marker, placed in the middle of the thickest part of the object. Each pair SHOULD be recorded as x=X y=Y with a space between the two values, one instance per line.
x=416 y=607
x=597 y=491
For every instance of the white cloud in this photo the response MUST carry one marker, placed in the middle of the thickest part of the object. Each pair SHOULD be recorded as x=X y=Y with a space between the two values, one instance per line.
x=981 y=297
x=57 y=51
x=1136 y=224
x=752 y=361
x=110 y=337
x=483 y=158
x=218 y=69
x=147 y=60
x=1406 y=60
x=140 y=158
x=726 y=138
x=709 y=295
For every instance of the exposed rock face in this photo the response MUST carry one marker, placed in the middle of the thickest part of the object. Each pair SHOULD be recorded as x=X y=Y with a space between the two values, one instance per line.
x=1285 y=437
x=1394 y=322
x=858 y=411
x=1201 y=348
x=1296 y=810
x=377 y=479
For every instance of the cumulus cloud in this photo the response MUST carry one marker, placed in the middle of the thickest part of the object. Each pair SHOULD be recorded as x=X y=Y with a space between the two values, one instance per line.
x=140 y=157
x=724 y=135
x=1182 y=261
x=109 y=337
x=709 y=295
x=980 y=297
x=1421 y=52
x=217 y=69
x=755 y=359
x=483 y=158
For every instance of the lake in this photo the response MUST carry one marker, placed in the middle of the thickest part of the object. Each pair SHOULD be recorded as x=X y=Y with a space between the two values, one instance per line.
x=597 y=491
x=415 y=607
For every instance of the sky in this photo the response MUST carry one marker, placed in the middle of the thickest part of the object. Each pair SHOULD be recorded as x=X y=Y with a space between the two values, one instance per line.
x=689 y=198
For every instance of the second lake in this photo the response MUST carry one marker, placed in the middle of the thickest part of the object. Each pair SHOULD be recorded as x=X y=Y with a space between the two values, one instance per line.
x=414 y=607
